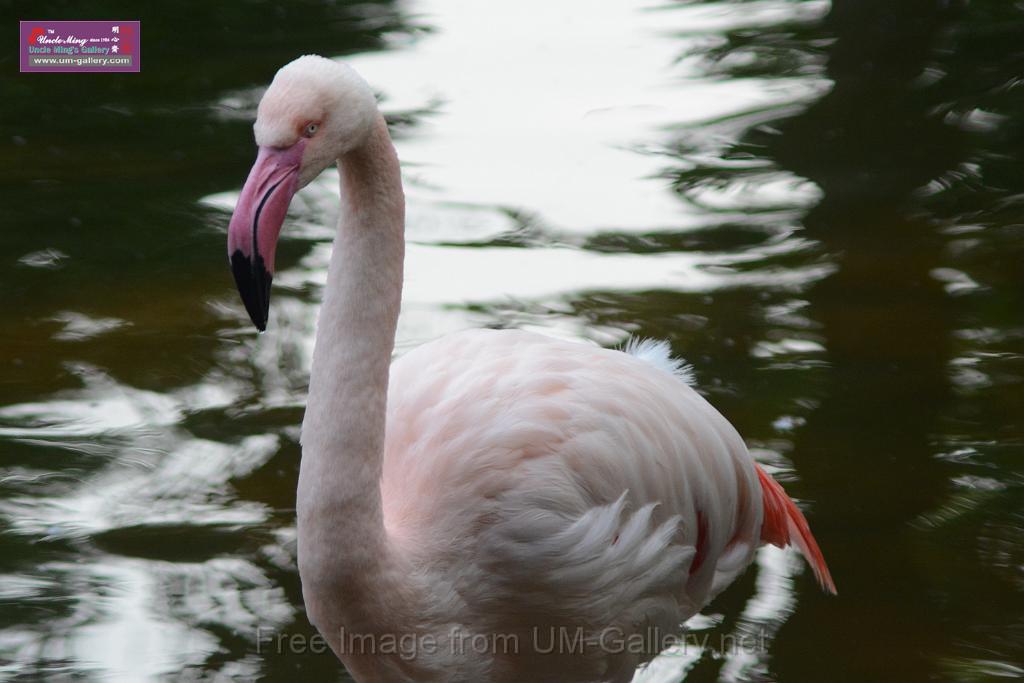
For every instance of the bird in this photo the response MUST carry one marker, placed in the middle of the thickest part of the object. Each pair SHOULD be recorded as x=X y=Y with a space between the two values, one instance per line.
x=495 y=505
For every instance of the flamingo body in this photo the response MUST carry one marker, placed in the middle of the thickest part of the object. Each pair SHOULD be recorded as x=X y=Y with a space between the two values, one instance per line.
x=496 y=505
x=556 y=485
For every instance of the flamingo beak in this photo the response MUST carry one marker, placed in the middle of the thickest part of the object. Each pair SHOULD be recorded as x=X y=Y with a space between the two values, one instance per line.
x=256 y=224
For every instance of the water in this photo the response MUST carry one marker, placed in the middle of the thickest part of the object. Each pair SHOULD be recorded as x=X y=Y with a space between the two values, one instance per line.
x=817 y=204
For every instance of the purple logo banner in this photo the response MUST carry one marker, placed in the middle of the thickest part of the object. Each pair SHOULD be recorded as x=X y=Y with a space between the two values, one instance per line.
x=80 y=46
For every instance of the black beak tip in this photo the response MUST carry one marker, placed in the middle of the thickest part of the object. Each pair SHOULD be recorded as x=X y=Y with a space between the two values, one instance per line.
x=253 y=281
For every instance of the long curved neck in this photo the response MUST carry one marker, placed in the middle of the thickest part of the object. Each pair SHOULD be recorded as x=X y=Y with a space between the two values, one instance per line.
x=342 y=541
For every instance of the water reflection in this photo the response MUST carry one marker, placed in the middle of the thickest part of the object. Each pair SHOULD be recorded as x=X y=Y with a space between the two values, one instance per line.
x=882 y=144
x=816 y=203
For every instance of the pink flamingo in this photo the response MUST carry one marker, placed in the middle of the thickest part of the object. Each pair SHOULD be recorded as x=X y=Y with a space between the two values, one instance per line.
x=495 y=505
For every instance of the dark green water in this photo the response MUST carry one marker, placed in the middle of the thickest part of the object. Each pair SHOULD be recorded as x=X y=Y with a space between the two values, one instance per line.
x=820 y=206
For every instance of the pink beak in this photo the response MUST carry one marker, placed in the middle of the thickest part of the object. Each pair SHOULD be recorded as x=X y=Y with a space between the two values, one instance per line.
x=256 y=224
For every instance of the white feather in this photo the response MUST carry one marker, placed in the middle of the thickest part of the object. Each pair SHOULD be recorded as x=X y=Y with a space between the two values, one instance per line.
x=659 y=354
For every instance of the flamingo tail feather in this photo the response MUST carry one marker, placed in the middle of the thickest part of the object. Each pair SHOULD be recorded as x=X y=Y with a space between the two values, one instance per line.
x=784 y=525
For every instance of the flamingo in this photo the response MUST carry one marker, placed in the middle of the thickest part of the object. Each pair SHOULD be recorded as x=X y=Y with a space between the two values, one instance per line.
x=496 y=505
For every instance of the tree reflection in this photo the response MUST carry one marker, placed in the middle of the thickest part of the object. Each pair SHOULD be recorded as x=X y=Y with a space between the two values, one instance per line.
x=899 y=147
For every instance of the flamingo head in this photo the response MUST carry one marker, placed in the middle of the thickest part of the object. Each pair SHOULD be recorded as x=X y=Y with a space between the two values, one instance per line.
x=314 y=112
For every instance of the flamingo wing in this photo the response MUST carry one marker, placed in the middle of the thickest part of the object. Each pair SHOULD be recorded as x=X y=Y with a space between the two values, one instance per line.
x=556 y=483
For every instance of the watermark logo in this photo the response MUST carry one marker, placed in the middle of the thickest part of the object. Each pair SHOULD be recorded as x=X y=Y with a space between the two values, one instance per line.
x=644 y=643
x=80 y=46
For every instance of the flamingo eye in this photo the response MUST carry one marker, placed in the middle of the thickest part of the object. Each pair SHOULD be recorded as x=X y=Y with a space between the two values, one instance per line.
x=311 y=129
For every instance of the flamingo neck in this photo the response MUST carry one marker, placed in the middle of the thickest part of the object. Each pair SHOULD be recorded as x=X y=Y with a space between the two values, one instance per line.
x=344 y=553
